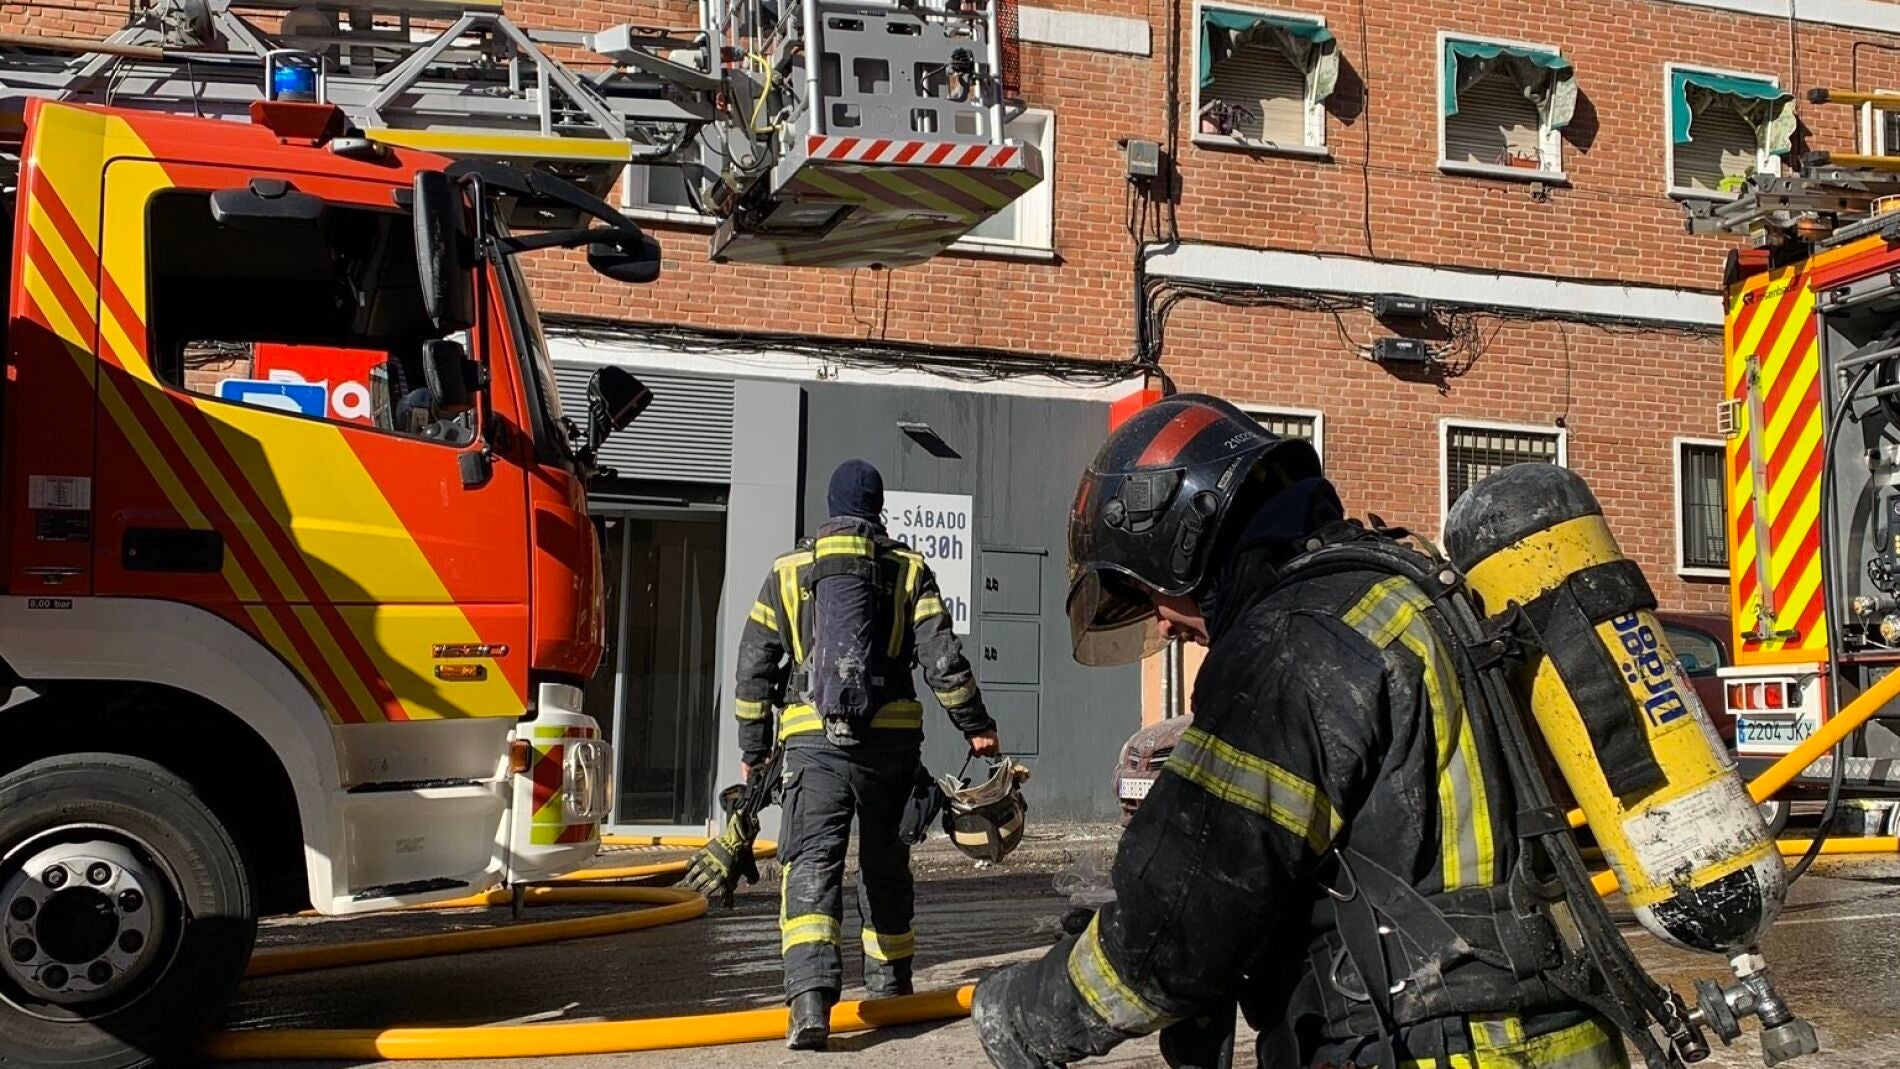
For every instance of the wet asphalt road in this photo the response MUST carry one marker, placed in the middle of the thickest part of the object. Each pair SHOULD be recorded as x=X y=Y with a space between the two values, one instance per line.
x=1836 y=954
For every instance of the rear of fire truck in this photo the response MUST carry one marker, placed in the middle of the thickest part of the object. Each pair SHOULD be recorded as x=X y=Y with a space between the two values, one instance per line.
x=1811 y=415
x=300 y=587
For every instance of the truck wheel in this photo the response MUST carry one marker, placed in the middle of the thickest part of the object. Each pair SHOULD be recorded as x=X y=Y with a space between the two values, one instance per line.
x=126 y=915
x=1774 y=813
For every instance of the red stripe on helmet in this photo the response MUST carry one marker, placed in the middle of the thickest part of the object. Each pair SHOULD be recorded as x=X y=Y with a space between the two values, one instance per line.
x=1174 y=437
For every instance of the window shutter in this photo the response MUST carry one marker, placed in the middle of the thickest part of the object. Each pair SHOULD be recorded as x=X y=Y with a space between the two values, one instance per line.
x=1725 y=145
x=1494 y=118
x=685 y=436
x=1266 y=81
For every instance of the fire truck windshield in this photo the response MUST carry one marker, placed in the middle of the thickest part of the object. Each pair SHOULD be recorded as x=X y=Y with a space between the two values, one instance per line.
x=315 y=317
x=531 y=346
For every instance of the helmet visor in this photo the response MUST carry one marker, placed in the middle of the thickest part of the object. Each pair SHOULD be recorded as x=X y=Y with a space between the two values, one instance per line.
x=1111 y=622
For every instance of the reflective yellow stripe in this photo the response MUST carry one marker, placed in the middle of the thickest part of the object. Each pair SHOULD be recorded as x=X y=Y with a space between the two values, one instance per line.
x=808 y=928
x=907 y=593
x=1585 y=1046
x=927 y=606
x=1100 y=986
x=961 y=696
x=765 y=616
x=903 y=715
x=1393 y=611
x=1254 y=783
x=749 y=710
x=1491 y=1031
x=881 y=947
x=846 y=546
x=899 y=715
x=787 y=568
x=797 y=720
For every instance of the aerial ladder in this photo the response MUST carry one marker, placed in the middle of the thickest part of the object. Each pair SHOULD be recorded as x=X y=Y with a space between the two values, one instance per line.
x=825 y=133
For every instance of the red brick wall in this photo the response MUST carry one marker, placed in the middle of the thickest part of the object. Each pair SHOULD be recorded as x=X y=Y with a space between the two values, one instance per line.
x=1622 y=396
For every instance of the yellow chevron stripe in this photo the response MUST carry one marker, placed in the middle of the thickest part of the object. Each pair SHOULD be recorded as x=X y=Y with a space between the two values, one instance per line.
x=1765 y=312
x=1794 y=407
x=1805 y=514
x=1780 y=349
x=1807 y=440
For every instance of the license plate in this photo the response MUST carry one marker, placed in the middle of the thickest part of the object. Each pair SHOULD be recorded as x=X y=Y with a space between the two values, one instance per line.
x=1755 y=735
x=1134 y=790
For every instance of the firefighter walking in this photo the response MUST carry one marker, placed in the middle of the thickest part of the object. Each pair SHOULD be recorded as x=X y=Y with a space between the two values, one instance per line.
x=1332 y=771
x=837 y=629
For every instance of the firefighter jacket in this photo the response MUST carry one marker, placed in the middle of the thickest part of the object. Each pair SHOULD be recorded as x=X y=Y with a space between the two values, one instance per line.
x=911 y=628
x=1328 y=715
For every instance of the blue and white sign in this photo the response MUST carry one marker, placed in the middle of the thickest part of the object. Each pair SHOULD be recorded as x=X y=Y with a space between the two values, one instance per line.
x=300 y=398
x=942 y=528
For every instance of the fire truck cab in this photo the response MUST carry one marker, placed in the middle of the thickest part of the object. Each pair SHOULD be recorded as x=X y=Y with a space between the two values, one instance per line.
x=299 y=583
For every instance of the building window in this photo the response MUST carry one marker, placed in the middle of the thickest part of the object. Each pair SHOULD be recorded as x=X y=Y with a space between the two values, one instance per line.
x=1880 y=128
x=1028 y=222
x=1701 y=508
x=1723 y=128
x=1264 y=79
x=1473 y=451
x=1291 y=423
x=1503 y=107
x=657 y=191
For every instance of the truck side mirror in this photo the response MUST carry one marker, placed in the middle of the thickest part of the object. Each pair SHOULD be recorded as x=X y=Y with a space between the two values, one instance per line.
x=614 y=399
x=450 y=376
x=632 y=258
x=442 y=262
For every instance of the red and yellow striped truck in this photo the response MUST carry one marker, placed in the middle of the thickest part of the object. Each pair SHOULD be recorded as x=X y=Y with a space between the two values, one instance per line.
x=1803 y=319
x=300 y=586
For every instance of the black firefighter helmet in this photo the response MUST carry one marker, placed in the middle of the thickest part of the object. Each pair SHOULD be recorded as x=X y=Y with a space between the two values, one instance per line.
x=1149 y=514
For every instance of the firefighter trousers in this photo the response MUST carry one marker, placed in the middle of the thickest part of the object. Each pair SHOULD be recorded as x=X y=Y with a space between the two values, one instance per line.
x=825 y=788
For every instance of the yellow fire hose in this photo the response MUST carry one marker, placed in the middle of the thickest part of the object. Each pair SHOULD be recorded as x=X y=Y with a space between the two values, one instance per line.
x=744 y=1026
x=590 y=1037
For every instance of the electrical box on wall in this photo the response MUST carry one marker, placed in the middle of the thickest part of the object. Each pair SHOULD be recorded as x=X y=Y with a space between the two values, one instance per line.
x=1393 y=306
x=1401 y=351
x=1144 y=159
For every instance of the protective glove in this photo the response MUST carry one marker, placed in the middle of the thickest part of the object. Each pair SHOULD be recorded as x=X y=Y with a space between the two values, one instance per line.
x=989 y=1009
x=719 y=865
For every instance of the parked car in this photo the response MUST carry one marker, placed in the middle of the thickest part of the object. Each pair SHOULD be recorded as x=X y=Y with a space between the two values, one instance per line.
x=1700 y=641
x=1141 y=759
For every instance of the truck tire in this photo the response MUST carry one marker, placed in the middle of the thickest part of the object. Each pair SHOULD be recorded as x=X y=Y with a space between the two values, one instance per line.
x=126 y=910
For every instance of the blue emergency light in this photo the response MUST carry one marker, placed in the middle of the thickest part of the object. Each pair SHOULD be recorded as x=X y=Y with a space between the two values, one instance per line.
x=293 y=76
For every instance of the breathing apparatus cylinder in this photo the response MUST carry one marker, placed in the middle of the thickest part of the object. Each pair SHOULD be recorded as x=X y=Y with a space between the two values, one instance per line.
x=1656 y=784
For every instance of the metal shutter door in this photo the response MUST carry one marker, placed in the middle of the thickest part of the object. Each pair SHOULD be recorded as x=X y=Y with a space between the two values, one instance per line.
x=1494 y=116
x=1724 y=145
x=686 y=436
x=1261 y=77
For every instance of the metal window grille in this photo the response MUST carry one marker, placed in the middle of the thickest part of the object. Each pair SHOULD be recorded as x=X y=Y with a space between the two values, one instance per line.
x=1890 y=138
x=1471 y=453
x=1704 y=508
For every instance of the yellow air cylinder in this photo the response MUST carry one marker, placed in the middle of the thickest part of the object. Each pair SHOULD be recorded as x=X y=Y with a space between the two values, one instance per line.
x=1617 y=713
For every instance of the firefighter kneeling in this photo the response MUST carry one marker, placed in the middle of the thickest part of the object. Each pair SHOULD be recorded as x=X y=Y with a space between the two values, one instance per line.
x=1332 y=771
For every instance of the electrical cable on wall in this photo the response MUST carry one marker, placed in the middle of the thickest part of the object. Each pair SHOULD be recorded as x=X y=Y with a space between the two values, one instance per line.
x=964 y=364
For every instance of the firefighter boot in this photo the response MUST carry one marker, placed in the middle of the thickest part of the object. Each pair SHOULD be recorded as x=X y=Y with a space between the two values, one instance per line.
x=810 y=1027
x=889 y=981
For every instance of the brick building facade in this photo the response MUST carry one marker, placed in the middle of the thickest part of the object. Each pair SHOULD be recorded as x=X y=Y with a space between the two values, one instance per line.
x=1103 y=71
x=1523 y=165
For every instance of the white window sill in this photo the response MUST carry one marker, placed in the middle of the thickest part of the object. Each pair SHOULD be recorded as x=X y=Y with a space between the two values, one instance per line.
x=1509 y=174
x=1001 y=251
x=1703 y=573
x=1680 y=193
x=671 y=217
x=1262 y=148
